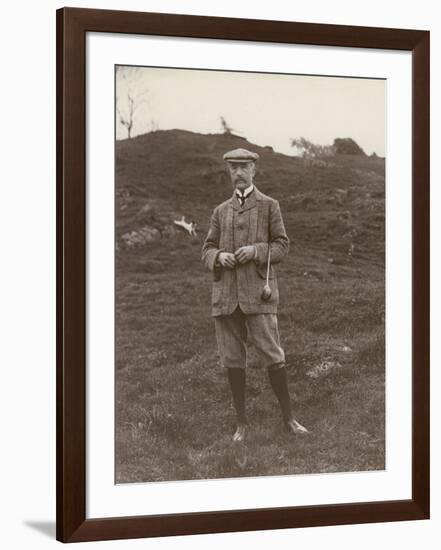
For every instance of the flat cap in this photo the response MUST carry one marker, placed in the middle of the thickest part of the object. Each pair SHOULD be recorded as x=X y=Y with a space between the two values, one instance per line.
x=240 y=155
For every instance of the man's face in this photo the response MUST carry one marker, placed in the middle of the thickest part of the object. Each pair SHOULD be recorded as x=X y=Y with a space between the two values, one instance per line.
x=241 y=174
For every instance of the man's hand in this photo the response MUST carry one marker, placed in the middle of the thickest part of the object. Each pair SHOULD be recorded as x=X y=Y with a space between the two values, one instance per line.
x=226 y=259
x=245 y=254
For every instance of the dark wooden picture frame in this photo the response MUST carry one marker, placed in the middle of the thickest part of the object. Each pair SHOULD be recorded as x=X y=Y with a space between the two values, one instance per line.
x=72 y=26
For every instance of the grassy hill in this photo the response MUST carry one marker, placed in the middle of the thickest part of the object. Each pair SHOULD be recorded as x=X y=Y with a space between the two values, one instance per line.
x=174 y=417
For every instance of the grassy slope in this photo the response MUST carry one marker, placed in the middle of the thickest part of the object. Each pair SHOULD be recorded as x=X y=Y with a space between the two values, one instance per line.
x=174 y=417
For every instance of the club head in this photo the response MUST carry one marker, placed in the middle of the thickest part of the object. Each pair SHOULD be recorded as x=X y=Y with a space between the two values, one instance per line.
x=266 y=293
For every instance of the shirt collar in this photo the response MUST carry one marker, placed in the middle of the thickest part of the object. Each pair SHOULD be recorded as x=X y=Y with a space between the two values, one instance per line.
x=245 y=192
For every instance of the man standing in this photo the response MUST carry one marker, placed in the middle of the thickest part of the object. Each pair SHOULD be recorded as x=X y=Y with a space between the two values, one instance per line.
x=245 y=232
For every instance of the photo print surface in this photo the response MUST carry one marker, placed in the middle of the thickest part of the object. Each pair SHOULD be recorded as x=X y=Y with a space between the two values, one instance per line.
x=250 y=274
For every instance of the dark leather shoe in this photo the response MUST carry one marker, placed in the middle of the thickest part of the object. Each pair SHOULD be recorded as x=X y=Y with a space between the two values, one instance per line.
x=239 y=434
x=294 y=427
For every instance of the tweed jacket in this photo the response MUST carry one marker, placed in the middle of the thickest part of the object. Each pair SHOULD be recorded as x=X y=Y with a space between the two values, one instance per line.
x=258 y=222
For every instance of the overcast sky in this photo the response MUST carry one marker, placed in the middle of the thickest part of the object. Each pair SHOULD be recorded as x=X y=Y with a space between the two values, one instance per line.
x=266 y=109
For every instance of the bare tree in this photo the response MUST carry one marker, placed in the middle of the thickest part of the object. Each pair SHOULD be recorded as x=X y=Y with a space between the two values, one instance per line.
x=131 y=96
x=126 y=119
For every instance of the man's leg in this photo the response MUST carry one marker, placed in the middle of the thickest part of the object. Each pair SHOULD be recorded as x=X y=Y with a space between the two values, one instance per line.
x=231 y=338
x=236 y=378
x=264 y=333
x=279 y=382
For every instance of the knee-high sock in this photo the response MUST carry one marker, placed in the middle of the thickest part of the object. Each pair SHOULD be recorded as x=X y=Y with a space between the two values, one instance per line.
x=236 y=377
x=279 y=382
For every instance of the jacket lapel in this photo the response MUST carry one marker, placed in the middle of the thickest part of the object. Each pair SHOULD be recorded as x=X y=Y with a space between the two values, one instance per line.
x=234 y=201
x=254 y=215
x=250 y=202
x=228 y=227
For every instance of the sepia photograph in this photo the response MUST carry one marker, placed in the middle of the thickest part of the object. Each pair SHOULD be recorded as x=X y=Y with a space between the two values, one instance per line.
x=249 y=274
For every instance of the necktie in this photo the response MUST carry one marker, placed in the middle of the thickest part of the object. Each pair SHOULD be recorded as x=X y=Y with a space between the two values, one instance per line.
x=242 y=198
